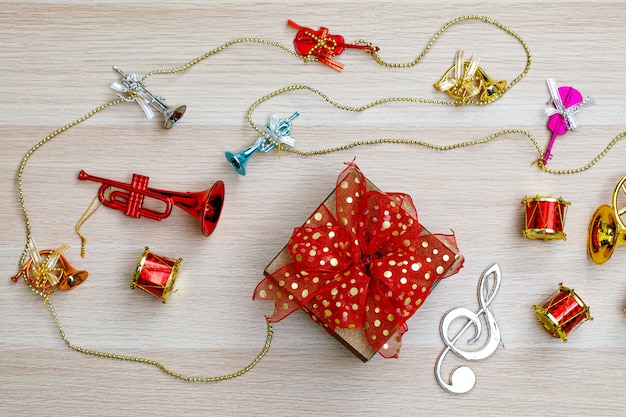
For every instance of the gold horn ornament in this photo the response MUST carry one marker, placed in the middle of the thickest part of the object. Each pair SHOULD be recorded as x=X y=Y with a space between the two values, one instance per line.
x=466 y=80
x=607 y=230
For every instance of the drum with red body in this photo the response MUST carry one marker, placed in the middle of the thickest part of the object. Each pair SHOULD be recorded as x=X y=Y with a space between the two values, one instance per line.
x=156 y=274
x=562 y=312
x=545 y=217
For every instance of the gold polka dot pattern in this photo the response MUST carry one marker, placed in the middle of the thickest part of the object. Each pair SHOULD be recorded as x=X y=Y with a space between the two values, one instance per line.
x=366 y=264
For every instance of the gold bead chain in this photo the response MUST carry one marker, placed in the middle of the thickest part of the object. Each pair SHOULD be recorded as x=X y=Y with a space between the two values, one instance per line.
x=374 y=141
x=401 y=141
x=266 y=348
x=220 y=49
x=22 y=166
x=434 y=39
x=379 y=60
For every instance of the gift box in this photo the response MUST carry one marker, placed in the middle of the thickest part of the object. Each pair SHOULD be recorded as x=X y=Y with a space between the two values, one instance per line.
x=360 y=266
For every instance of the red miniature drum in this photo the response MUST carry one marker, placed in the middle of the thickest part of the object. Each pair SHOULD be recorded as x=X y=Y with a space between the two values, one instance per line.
x=562 y=312
x=545 y=217
x=156 y=274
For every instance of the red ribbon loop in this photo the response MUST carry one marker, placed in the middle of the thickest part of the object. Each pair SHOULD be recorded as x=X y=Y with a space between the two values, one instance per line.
x=363 y=266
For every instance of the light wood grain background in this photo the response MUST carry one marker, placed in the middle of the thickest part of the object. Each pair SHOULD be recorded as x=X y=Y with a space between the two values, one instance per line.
x=55 y=65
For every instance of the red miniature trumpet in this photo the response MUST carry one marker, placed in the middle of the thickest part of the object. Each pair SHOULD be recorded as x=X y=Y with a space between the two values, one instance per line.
x=205 y=206
x=323 y=45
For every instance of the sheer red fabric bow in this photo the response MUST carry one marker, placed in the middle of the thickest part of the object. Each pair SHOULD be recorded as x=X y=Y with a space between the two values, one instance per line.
x=364 y=266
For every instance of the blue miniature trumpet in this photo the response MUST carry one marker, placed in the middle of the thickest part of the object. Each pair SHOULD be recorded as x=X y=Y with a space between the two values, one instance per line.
x=276 y=131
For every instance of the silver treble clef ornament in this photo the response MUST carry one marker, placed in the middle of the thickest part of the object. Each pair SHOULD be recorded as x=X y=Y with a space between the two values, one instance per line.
x=463 y=379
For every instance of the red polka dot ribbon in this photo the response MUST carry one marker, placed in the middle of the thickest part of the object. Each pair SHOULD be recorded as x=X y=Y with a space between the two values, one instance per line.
x=368 y=264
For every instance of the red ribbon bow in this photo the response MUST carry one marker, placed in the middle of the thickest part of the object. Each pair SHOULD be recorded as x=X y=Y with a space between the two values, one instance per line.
x=365 y=266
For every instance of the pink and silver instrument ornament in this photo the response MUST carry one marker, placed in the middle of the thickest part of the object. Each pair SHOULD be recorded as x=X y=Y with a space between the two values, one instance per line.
x=565 y=102
x=463 y=379
x=205 y=206
x=276 y=132
x=134 y=90
x=47 y=271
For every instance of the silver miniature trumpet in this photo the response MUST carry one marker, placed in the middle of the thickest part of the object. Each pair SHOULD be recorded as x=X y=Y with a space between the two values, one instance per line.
x=135 y=91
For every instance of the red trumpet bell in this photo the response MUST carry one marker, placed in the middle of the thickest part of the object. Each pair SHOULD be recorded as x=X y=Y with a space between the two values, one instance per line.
x=205 y=206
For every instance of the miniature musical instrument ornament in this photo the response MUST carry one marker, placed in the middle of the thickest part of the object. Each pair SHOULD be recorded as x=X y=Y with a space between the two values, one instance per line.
x=562 y=312
x=607 y=230
x=205 y=206
x=465 y=81
x=566 y=101
x=47 y=271
x=276 y=132
x=136 y=91
x=545 y=217
x=463 y=379
x=156 y=274
x=321 y=44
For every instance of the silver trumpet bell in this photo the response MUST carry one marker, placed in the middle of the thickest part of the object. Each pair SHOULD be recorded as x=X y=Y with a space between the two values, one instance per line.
x=278 y=131
x=135 y=91
x=171 y=116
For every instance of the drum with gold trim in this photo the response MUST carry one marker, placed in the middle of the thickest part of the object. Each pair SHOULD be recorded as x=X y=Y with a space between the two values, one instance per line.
x=545 y=217
x=562 y=312
x=156 y=274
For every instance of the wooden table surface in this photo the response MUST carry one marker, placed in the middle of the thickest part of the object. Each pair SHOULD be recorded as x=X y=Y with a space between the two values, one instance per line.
x=56 y=61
